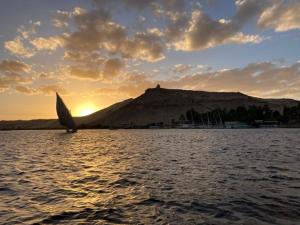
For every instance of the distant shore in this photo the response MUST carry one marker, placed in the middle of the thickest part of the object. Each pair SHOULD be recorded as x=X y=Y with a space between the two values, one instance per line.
x=149 y=128
x=160 y=108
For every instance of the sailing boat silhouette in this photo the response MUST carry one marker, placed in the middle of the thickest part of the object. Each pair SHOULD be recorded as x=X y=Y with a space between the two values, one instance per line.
x=64 y=116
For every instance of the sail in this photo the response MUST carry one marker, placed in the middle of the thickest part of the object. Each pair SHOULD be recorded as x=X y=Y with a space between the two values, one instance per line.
x=64 y=116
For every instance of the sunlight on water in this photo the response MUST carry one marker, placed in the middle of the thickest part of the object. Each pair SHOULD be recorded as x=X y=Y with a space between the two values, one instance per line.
x=150 y=177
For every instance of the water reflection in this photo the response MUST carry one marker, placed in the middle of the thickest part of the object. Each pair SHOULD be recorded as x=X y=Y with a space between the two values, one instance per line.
x=150 y=177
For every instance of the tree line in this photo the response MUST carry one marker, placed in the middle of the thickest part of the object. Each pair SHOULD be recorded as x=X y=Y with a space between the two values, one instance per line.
x=247 y=115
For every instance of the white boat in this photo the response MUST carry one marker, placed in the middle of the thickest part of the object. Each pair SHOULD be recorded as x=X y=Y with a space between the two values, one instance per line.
x=64 y=116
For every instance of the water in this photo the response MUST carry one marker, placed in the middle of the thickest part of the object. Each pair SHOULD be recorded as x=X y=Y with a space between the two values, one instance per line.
x=150 y=177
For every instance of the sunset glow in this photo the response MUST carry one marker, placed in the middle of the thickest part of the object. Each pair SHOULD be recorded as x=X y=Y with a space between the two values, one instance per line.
x=85 y=110
x=109 y=51
x=174 y=112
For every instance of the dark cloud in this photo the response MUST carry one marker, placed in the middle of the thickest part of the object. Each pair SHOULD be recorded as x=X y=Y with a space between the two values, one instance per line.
x=204 y=32
x=176 y=25
x=109 y=70
x=146 y=46
x=112 y=68
x=248 y=9
x=96 y=34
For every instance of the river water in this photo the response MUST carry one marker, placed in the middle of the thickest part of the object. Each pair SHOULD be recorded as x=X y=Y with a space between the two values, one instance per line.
x=150 y=177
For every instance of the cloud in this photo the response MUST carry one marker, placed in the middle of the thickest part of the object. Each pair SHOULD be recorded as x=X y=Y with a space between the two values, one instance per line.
x=50 y=43
x=98 y=35
x=62 y=18
x=96 y=31
x=176 y=25
x=201 y=67
x=248 y=9
x=112 y=68
x=180 y=68
x=133 y=85
x=253 y=79
x=244 y=38
x=184 y=28
x=281 y=16
x=84 y=58
x=27 y=31
x=13 y=73
x=196 y=30
x=204 y=32
x=84 y=73
x=109 y=70
x=11 y=78
x=264 y=79
x=84 y=65
x=24 y=90
x=59 y=23
x=146 y=46
x=17 y=47
x=99 y=47
x=93 y=29
x=13 y=66
x=49 y=89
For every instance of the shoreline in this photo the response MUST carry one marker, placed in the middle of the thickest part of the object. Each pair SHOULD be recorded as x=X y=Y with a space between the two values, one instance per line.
x=248 y=128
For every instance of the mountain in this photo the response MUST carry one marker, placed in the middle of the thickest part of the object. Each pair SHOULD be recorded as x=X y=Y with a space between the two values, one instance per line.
x=164 y=105
x=157 y=105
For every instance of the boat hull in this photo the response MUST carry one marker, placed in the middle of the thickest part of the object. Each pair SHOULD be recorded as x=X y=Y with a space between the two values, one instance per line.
x=71 y=130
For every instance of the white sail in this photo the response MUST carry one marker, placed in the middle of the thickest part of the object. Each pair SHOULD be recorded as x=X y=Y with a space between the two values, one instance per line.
x=64 y=116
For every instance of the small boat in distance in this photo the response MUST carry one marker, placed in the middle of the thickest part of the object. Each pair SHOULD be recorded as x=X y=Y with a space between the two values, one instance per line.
x=64 y=116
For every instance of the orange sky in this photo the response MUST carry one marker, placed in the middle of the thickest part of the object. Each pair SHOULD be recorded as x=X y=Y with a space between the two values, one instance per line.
x=95 y=53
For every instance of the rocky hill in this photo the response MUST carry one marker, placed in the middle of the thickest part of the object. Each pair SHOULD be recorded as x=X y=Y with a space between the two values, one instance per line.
x=164 y=105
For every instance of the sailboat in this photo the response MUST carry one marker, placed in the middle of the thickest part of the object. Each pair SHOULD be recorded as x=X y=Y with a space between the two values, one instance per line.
x=64 y=116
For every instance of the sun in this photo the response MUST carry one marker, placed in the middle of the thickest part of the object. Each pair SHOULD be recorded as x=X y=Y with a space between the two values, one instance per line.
x=86 y=109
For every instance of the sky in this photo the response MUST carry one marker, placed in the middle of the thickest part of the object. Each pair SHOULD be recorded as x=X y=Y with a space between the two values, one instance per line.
x=95 y=53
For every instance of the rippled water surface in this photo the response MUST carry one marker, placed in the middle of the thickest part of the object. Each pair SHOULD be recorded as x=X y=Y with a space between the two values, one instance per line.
x=150 y=177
